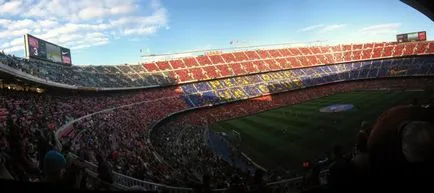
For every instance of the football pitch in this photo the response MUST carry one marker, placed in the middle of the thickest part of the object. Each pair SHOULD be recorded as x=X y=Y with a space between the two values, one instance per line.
x=285 y=137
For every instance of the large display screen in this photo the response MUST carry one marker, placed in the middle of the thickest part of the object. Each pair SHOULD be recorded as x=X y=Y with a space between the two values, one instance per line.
x=409 y=37
x=43 y=50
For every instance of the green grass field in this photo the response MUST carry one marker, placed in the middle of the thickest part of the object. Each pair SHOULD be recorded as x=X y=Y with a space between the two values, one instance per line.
x=312 y=133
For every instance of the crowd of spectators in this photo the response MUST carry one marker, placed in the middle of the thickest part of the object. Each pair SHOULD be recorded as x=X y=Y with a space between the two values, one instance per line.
x=29 y=120
x=205 y=67
x=120 y=137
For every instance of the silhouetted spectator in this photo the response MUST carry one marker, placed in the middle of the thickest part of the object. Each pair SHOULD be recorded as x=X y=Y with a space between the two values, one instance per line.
x=104 y=170
x=259 y=184
x=54 y=166
x=392 y=151
x=340 y=170
x=311 y=179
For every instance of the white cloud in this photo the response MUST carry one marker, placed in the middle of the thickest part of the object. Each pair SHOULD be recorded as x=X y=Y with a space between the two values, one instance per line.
x=332 y=27
x=322 y=28
x=310 y=28
x=10 y=7
x=80 y=23
x=388 y=28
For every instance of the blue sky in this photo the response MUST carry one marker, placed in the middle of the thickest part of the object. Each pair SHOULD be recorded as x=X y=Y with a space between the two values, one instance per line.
x=113 y=31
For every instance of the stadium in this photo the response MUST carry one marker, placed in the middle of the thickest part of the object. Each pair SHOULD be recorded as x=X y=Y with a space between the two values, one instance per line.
x=219 y=119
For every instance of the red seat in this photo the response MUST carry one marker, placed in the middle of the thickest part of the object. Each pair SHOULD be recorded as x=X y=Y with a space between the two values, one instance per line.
x=322 y=59
x=293 y=62
x=294 y=51
x=336 y=48
x=366 y=54
x=198 y=74
x=303 y=61
x=357 y=46
x=249 y=67
x=399 y=48
x=325 y=49
x=224 y=70
x=387 y=51
x=313 y=60
x=261 y=66
x=183 y=75
x=190 y=62
x=409 y=48
x=285 y=52
x=272 y=64
x=315 y=50
x=357 y=54
x=329 y=58
x=177 y=64
x=203 y=60
x=421 y=47
x=229 y=57
x=284 y=63
x=150 y=67
x=211 y=72
x=347 y=56
x=236 y=67
x=252 y=55
x=216 y=59
x=346 y=48
x=263 y=54
x=240 y=56
x=430 y=49
x=338 y=57
x=163 y=65
x=377 y=52
x=274 y=53
x=305 y=51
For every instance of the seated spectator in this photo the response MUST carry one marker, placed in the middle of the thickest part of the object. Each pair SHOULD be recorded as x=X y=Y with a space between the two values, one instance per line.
x=340 y=170
x=259 y=185
x=311 y=179
x=54 y=166
x=104 y=170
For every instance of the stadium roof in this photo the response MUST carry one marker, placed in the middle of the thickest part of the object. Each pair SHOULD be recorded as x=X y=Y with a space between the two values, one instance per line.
x=424 y=6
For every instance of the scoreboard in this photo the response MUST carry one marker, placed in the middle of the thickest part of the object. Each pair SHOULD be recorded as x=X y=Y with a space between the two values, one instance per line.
x=43 y=50
x=410 y=37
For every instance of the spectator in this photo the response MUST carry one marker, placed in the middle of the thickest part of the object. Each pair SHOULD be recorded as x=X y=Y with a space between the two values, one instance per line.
x=392 y=150
x=259 y=185
x=205 y=187
x=54 y=166
x=104 y=170
x=340 y=170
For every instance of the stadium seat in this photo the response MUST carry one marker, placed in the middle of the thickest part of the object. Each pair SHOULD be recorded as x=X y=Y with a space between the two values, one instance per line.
x=216 y=59
x=236 y=68
x=285 y=52
x=203 y=60
x=274 y=53
x=176 y=64
x=163 y=65
x=190 y=62
x=151 y=67
x=252 y=55
x=240 y=56
x=263 y=54
x=421 y=48
x=399 y=48
x=409 y=49
x=183 y=75
x=229 y=57
x=224 y=70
